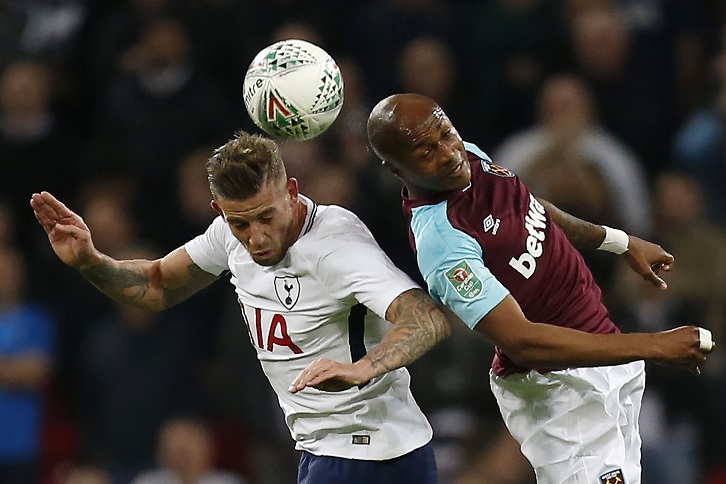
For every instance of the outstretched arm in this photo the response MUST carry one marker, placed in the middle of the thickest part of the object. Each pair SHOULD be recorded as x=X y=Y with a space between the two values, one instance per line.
x=151 y=285
x=645 y=258
x=536 y=345
x=418 y=325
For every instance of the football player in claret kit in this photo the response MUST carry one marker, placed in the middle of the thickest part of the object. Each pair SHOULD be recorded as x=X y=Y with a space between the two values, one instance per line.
x=311 y=282
x=569 y=385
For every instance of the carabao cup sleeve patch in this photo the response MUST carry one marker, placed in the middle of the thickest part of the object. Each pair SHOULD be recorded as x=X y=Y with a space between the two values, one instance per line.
x=464 y=280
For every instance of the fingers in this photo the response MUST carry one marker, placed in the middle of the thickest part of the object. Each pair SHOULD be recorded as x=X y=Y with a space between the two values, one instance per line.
x=42 y=211
x=668 y=262
x=57 y=205
x=666 y=267
x=311 y=373
x=705 y=347
x=705 y=340
x=653 y=278
x=70 y=230
x=658 y=266
x=47 y=205
x=45 y=211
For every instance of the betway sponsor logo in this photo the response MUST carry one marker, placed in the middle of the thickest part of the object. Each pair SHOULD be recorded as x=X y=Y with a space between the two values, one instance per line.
x=535 y=222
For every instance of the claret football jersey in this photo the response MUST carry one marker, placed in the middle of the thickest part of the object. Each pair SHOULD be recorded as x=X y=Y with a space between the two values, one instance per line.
x=326 y=299
x=474 y=246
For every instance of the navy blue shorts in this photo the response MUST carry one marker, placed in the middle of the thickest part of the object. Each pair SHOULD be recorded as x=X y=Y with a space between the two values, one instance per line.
x=416 y=467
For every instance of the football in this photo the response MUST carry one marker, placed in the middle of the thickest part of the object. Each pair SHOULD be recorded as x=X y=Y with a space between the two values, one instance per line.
x=293 y=90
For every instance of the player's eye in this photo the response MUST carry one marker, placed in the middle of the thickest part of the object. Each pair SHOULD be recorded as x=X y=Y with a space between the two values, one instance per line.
x=266 y=219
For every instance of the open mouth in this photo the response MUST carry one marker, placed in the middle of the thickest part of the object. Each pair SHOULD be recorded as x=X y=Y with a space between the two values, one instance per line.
x=457 y=169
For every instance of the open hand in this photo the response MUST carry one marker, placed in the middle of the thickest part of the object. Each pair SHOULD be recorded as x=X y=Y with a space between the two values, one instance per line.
x=68 y=233
x=647 y=260
x=331 y=376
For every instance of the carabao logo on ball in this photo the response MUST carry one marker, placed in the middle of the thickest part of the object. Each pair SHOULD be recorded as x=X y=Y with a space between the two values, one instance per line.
x=293 y=89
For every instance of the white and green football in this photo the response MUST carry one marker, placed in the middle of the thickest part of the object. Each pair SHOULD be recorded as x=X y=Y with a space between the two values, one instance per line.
x=293 y=89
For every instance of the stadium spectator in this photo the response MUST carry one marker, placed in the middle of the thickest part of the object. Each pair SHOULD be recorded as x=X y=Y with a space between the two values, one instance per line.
x=32 y=135
x=26 y=361
x=635 y=95
x=698 y=144
x=569 y=159
x=186 y=455
x=161 y=83
x=134 y=370
x=695 y=294
x=510 y=47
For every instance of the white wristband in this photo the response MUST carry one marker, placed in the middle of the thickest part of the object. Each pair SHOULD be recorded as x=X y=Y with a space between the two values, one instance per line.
x=616 y=241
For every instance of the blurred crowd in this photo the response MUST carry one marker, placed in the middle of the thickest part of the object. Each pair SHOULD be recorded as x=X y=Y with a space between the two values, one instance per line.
x=614 y=110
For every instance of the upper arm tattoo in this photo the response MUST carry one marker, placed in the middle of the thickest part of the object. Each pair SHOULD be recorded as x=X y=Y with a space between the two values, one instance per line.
x=198 y=279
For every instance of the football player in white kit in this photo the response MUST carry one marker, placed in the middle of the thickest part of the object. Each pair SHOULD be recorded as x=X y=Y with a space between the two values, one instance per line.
x=311 y=283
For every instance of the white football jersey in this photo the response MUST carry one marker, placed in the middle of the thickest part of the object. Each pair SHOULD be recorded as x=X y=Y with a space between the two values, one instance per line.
x=326 y=299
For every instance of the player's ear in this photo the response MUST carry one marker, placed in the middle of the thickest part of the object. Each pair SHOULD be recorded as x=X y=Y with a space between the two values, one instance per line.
x=391 y=168
x=292 y=188
x=216 y=208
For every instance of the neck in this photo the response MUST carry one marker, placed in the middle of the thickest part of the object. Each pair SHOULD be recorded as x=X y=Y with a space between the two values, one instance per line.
x=300 y=210
x=415 y=192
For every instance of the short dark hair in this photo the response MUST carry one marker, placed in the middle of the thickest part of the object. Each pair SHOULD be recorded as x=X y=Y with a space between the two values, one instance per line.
x=242 y=166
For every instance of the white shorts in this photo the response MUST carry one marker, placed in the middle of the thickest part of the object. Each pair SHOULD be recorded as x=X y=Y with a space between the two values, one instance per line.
x=576 y=426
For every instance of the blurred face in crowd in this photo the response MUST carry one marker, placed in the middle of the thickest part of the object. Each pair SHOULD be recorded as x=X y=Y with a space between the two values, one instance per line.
x=185 y=448
x=24 y=88
x=601 y=42
x=193 y=189
x=565 y=107
x=429 y=56
x=419 y=144
x=12 y=277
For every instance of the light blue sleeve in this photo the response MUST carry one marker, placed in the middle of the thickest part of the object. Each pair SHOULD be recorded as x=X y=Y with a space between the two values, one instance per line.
x=472 y=148
x=452 y=264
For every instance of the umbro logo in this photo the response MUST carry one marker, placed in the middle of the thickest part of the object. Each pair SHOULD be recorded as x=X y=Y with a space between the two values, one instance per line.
x=490 y=223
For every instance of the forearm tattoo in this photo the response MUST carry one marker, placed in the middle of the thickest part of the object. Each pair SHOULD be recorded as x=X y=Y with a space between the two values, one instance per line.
x=419 y=324
x=580 y=233
x=127 y=282
x=132 y=282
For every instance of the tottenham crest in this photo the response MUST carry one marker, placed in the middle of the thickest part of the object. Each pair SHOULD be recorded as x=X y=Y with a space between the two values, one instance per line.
x=288 y=290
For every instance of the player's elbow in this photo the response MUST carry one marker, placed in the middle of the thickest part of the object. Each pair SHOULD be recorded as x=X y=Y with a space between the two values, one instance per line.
x=526 y=351
x=446 y=329
x=444 y=326
x=153 y=297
